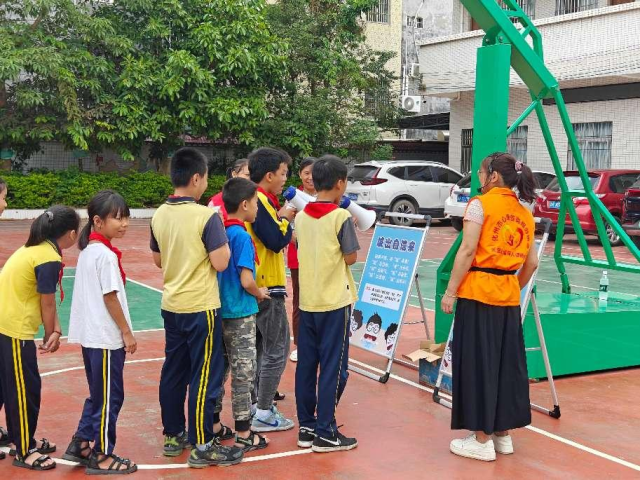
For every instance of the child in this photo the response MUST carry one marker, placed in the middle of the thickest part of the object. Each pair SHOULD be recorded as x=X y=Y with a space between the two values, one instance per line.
x=189 y=243
x=100 y=322
x=240 y=169
x=327 y=245
x=27 y=294
x=268 y=168
x=305 y=172
x=241 y=295
x=4 y=435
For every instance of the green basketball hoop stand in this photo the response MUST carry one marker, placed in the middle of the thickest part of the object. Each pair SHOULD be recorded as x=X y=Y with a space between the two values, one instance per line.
x=581 y=336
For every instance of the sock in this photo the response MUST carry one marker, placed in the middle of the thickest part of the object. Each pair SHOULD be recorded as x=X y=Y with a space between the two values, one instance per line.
x=262 y=414
x=202 y=448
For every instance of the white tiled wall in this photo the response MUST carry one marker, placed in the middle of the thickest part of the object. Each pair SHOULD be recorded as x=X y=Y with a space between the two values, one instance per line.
x=625 y=148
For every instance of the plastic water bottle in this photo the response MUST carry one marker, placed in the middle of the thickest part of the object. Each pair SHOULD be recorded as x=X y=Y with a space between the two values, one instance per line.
x=603 y=294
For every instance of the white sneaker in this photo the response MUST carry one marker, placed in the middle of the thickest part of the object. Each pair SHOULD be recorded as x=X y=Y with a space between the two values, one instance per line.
x=294 y=356
x=503 y=445
x=469 y=447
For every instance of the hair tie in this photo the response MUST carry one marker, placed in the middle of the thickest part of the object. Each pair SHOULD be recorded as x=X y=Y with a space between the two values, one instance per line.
x=518 y=166
x=50 y=215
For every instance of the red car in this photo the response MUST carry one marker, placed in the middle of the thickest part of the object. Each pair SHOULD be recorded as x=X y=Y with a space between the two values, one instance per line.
x=609 y=185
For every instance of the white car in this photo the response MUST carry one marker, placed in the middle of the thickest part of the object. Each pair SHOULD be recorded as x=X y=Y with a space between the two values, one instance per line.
x=409 y=186
x=460 y=193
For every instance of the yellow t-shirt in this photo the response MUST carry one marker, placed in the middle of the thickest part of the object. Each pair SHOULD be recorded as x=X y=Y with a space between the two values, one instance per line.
x=325 y=234
x=29 y=272
x=184 y=233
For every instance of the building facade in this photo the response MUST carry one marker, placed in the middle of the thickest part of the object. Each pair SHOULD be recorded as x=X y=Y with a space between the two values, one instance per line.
x=593 y=49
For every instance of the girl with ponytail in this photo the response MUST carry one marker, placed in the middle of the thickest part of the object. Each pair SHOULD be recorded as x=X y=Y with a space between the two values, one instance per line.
x=101 y=324
x=496 y=259
x=28 y=284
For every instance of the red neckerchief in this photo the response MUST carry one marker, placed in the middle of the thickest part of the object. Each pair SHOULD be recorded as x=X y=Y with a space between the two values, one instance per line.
x=102 y=239
x=234 y=221
x=319 y=209
x=274 y=200
x=60 y=280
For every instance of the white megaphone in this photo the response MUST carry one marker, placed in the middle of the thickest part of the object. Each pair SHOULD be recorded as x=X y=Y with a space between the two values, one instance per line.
x=297 y=198
x=366 y=218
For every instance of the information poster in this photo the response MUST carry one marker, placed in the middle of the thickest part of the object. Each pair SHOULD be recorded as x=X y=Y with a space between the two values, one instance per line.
x=385 y=288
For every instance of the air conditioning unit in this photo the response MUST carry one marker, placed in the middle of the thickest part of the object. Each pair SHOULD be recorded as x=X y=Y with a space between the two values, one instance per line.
x=414 y=70
x=411 y=103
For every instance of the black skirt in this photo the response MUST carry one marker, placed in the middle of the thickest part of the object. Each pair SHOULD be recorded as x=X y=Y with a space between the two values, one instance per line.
x=490 y=380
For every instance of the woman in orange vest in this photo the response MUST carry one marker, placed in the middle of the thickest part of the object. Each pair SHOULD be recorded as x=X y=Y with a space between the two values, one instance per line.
x=496 y=259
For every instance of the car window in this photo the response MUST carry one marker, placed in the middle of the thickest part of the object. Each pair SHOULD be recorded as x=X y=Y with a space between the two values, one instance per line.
x=444 y=175
x=573 y=182
x=419 y=173
x=397 y=172
x=636 y=184
x=361 y=172
x=621 y=183
x=465 y=182
x=544 y=179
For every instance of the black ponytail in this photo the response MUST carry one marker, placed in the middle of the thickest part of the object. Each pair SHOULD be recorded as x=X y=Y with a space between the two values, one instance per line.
x=103 y=204
x=514 y=173
x=53 y=224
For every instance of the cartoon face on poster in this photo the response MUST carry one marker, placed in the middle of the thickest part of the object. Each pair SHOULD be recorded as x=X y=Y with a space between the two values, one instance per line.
x=385 y=288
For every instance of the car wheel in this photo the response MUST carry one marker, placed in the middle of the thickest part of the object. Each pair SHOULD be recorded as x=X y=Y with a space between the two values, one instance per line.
x=403 y=205
x=614 y=238
x=456 y=222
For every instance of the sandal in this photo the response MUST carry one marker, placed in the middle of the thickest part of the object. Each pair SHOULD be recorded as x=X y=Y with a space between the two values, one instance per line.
x=77 y=453
x=4 y=437
x=225 y=433
x=279 y=396
x=93 y=467
x=44 y=449
x=248 y=444
x=37 y=463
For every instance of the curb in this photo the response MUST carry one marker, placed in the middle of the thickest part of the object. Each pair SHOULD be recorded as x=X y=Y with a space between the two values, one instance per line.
x=33 y=214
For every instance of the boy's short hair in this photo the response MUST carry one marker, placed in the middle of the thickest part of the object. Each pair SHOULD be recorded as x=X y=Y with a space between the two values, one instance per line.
x=265 y=160
x=235 y=191
x=327 y=170
x=186 y=163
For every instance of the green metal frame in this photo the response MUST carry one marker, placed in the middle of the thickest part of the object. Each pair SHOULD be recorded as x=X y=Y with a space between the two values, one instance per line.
x=523 y=42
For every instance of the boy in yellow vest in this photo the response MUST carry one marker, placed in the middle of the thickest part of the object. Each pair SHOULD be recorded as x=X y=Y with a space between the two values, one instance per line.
x=327 y=246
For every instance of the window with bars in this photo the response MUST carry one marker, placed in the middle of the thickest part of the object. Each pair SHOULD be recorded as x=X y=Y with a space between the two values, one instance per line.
x=594 y=140
x=379 y=13
x=377 y=100
x=527 y=6
x=417 y=22
x=517 y=143
x=573 y=6
x=467 y=144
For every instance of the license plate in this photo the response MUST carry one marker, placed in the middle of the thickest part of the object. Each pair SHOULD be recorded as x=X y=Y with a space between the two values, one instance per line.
x=352 y=196
x=554 y=205
x=463 y=198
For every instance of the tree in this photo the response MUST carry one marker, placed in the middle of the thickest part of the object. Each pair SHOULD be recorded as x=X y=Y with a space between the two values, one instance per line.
x=53 y=84
x=95 y=74
x=319 y=106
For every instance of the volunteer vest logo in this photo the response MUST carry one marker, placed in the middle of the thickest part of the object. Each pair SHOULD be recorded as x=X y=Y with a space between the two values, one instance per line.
x=510 y=231
x=511 y=237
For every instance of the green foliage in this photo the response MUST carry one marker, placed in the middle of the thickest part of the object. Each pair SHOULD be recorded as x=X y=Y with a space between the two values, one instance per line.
x=73 y=188
x=319 y=107
x=382 y=152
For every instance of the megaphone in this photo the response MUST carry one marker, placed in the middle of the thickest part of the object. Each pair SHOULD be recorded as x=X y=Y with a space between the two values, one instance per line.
x=366 y=218
x=297 y=198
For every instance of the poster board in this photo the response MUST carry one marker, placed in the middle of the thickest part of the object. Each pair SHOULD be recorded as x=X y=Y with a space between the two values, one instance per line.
x=385 y=288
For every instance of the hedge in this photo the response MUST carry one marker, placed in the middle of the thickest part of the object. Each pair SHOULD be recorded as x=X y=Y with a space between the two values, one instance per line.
x=73 y=188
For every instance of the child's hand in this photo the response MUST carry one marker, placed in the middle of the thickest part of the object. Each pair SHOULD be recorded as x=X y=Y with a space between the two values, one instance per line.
x=130 y=344
x=287 y=213
x=51 y=344
x=263 y=294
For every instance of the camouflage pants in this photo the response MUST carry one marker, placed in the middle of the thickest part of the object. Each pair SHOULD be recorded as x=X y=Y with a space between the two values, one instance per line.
x=239 y=336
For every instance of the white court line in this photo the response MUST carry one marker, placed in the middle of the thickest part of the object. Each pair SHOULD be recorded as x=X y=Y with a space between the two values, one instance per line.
x=550 y=435
x=539 y=431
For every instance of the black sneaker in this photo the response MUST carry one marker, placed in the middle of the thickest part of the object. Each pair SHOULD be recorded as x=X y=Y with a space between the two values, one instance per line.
x=306 y=436
x=174 y=446
x=334 y=444
x=215 y=454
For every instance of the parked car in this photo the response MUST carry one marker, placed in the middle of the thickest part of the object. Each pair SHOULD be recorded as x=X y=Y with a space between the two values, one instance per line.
x=410 y=186
x=631 y=212
x=460 y=193
x=610 y=187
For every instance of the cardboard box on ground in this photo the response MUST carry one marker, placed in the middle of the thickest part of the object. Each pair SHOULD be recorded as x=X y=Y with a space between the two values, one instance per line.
x=429 y=357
